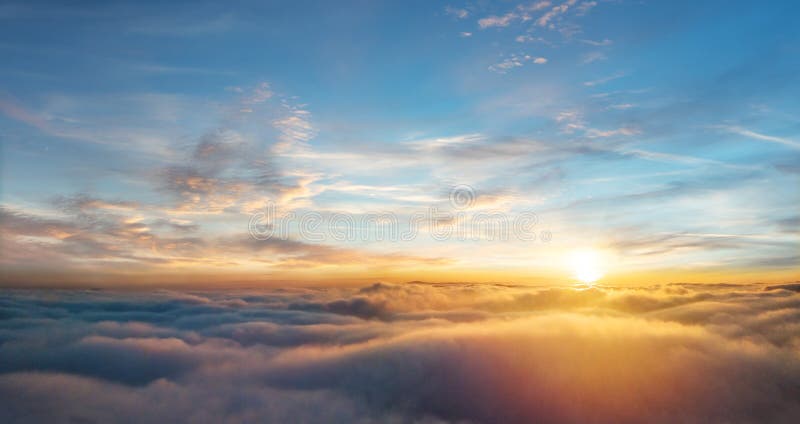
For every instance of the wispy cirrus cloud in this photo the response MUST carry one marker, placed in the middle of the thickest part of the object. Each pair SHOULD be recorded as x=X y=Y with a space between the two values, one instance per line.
x=596 y=43
x=759 y=136
x=625 y=131
x=604 y=80
x=593 y=57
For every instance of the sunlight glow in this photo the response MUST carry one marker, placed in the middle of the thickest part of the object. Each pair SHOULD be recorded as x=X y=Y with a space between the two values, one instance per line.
x=586 y=265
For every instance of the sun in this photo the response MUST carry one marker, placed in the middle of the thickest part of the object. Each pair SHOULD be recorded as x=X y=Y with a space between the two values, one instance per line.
x=586 y=265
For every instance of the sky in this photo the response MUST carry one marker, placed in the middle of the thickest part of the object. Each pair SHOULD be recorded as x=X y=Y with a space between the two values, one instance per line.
x=400 y=211
x=275 y=142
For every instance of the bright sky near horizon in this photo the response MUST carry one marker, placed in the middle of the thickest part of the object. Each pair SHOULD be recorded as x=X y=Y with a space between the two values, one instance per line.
x=140 y=139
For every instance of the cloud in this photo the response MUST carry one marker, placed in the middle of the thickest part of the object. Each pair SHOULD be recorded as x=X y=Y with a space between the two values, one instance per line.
x=595 y=133
x=552 y=369
x=534 y=6
x=759 y=136
x=226 y=172
x=521 y=13
x=93 y=231
x=571 y=121
x=622 y=106
x=413 y=352
x=593 y=57
x=554 y=13
x=527 y=38
x=657 y=244
x=360 y=307
x=475 y=147
x=515 y=61
x=604 y=80
x=30 y=398
x=295 y=129
x=542 y=15
x=603 y=42
x=456 y=12
x=93 y=240
x=497 y=21
x=585 y=7
x=299 y=254
x=259 y=94
x=14 y=110
x=790 y=224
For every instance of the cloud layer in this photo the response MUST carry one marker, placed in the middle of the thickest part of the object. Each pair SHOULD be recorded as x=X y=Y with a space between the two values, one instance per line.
x=414 y=352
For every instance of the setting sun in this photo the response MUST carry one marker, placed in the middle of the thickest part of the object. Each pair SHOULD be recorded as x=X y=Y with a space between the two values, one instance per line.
x=586 y=265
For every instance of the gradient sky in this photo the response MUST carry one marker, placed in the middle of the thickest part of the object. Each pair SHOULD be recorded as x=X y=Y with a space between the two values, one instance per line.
x=138 y=138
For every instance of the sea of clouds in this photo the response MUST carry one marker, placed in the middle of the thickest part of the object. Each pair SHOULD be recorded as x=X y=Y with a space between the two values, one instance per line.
x=412 y=352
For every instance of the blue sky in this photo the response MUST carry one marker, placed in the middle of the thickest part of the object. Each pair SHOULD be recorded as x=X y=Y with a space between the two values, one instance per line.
x=139 y=138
